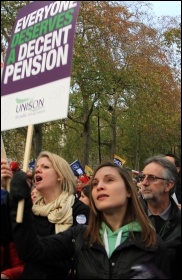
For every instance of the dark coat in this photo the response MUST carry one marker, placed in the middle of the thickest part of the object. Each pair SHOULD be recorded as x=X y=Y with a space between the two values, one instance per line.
x=52 y=270
x=178 y=188
x=171 y=234
x=11 y=265
x=42 y=227
x=92 y=260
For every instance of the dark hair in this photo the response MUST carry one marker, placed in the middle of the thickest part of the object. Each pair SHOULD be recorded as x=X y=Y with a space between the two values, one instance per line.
x=176 y=159
x=86 y=190
x=135 y=211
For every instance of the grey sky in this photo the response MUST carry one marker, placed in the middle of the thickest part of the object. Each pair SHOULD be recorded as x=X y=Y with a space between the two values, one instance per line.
x=166 y=8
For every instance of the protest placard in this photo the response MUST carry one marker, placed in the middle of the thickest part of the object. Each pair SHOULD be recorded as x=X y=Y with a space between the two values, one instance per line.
x=36 y=74
x=37 y=70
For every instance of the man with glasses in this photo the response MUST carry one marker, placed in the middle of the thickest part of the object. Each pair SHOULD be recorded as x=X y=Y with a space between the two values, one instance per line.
x=158 y=181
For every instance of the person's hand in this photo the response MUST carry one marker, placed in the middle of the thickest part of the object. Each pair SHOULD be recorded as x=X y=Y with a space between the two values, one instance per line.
x=179 y=206
x=3 y=276
x=6 y=171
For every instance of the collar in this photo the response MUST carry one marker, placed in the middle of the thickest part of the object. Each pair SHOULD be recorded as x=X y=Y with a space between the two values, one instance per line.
x=165 y=214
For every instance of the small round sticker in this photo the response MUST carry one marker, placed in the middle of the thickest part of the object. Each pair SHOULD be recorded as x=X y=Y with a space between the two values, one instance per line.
x=81 y=219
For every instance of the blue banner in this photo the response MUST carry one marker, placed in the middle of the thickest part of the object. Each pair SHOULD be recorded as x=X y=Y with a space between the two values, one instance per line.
x=31 y=164
x=77 y=168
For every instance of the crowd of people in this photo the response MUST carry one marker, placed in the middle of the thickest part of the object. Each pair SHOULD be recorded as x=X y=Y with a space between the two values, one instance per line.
x=101 y=227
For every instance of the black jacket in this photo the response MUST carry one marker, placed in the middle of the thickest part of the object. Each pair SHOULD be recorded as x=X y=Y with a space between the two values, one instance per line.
x=92 y=261
x=6 y=231
x=171 y=234
x=49 y=270
x=178 y=188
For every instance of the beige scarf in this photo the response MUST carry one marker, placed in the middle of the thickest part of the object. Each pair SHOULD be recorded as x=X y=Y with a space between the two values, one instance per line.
x=58 y=211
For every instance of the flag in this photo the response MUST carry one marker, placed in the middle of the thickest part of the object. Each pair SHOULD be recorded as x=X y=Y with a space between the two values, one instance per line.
x=31 y=164
x=88 y=170
x=118 y=160
x=77 y=168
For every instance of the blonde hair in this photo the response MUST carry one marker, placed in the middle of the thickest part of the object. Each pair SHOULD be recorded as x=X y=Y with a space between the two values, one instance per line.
x=64 y=171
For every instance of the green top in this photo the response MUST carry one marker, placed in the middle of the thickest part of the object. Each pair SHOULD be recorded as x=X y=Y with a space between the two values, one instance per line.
x=112 y=239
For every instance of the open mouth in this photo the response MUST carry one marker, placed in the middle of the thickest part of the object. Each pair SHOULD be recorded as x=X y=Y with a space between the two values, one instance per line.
x=38 y=179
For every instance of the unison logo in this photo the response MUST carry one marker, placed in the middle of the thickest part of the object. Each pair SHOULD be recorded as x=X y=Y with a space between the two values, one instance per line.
x=28 y=104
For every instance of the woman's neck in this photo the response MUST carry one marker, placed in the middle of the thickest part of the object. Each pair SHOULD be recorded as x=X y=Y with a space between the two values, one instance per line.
x=114 y=220
x=50 y=196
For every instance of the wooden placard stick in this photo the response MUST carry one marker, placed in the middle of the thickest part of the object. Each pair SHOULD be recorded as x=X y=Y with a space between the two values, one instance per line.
x=20 y=209
x=4 y=157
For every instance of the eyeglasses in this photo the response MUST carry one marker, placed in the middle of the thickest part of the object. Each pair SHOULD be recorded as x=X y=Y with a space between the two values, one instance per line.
x=150 y=178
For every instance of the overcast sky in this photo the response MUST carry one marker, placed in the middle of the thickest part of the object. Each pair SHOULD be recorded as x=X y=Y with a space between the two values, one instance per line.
x=166 y=8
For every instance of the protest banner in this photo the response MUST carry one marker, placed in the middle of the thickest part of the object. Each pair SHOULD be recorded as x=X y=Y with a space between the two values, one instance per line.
x=31 y=164
x=77 y=168
x=88 y=170
x=118 y=160
x=37 y=70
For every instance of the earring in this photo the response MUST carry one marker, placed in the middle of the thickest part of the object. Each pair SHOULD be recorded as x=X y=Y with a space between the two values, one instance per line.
x=59 y=179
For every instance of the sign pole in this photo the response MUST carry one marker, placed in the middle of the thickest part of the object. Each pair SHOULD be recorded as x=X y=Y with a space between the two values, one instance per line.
x=3 y=156
x=20 y=209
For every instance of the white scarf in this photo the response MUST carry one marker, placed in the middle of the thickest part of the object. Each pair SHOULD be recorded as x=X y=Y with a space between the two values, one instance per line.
x=58 y=211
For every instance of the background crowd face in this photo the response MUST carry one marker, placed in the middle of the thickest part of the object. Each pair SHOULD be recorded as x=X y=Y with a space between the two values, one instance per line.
x=84 y=198
x=34 y=194
x=156 y=189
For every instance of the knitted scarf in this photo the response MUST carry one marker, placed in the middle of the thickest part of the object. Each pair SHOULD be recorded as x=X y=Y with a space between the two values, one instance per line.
x=58 y=211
